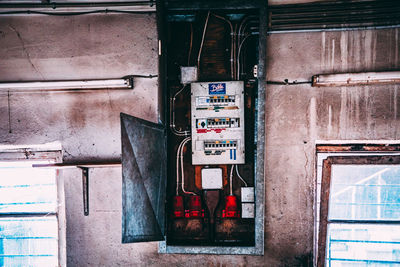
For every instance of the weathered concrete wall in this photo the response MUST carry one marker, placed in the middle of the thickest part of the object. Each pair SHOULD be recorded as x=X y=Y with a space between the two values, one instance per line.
x=299 y=115
x=80 y=47
x=87 y=124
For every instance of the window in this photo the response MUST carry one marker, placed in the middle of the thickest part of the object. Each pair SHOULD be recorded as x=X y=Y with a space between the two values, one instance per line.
x=360 y=211
x=29 y=209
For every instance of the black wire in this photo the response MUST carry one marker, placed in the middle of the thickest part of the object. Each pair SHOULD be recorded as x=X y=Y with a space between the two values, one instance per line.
x=286 y=82
x=105 y=11
x=140 y=76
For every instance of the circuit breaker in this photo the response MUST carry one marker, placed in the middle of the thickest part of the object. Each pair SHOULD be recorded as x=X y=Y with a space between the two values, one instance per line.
x=217 y=122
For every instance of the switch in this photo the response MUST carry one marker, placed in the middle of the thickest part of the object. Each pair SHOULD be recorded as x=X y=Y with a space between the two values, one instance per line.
x=247 y=194
x=188 y=75
x=248 y=210
x=211 y=178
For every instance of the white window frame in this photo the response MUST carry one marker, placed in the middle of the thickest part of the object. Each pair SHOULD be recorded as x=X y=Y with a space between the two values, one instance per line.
x=340 y=148
x=33 y=153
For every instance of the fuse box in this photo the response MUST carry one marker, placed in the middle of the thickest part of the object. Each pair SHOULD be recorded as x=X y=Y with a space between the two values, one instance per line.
x=217 y=121
x=196 y=181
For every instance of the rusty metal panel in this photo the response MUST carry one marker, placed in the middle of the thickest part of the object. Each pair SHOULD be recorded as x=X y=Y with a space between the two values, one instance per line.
x=144 y=164
x=359 y=148
x=334 y=15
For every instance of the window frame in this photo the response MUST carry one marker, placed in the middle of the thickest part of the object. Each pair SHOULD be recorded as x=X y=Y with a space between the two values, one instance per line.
x=325 y=191
x=37 y=153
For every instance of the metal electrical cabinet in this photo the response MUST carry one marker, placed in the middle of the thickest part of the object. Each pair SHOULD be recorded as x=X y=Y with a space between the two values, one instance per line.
x=195 y=182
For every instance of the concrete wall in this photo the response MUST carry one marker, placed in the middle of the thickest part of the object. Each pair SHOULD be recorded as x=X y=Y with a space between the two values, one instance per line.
x=299 y=115
x=87 y=124
x=78 y=47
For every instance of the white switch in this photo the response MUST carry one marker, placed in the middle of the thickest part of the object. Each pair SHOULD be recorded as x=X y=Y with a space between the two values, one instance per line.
x=188 y=75
x=247 y=210
x=211 y=178
x=247 y=194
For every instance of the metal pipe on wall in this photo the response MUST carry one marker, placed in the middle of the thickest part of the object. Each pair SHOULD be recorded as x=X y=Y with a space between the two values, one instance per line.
x=75 y=8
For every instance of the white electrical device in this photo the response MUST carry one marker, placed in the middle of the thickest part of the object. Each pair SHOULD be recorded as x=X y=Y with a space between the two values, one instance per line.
x=188 y=75
x=217 y=122
x=247 y=194
x=247 y=197
x=248 y=210
x=211 y=178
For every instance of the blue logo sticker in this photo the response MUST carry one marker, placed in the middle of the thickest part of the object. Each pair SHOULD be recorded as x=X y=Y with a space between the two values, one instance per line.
x=217 y=88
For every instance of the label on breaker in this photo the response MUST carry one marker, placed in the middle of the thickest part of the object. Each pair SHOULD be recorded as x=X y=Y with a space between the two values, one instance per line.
x=217 y=88
x=217 y=122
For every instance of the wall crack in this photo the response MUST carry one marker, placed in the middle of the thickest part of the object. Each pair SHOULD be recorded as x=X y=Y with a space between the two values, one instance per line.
x=28 y=56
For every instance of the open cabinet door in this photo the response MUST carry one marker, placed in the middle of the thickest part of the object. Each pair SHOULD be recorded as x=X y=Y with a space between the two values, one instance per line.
x=144 y=167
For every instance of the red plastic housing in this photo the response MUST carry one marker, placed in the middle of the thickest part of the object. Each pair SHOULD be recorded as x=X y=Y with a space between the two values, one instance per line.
x=178 y=208
x=195 y=210
x=231 y=208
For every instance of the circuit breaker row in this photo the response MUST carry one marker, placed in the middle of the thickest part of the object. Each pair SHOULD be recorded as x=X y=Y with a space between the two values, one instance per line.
x=220 y=144
x=215 y=100
x=217 y=123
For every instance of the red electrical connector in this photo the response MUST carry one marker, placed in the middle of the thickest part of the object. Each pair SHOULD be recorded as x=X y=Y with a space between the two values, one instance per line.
x=178 y=208
x=195 y=210
x=231 y=208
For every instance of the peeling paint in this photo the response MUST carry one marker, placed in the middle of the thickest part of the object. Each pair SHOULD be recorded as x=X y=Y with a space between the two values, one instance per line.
x=313 y=118
x=329 y=128
x=397 y=48
x=323 y=43
x=343 y=113
x=343 y=50
x=332 y=60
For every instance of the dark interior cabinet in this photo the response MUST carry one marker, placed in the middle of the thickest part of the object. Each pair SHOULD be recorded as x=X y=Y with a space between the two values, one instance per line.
x=201 y=202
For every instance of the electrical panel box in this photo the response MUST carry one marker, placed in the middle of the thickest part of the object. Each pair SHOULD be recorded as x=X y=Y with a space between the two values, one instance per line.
x=208 y=199
x=217 y=122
